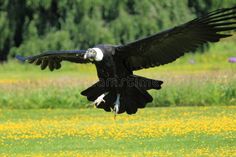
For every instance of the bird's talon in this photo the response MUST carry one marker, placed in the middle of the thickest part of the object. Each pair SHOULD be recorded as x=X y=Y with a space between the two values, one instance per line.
x=116 y=106
x=99 y=100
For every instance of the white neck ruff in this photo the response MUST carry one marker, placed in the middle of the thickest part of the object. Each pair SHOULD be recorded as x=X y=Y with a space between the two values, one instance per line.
x=99 y=54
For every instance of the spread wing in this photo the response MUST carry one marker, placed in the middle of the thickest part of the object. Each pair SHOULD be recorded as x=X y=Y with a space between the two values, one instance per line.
x=53 y=59
x=167 y=46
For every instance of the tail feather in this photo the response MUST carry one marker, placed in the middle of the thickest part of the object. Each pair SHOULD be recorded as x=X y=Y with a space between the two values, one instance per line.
x=131 y=106
x=141 y=101
x=131 y=97
x=139 y=96
x=145 y=94
x=136 y=98
x=94 y=91
x=146 y=83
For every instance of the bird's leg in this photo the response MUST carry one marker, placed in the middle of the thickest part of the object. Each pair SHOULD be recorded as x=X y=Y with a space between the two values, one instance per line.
x=116 y=105
x=99 y=100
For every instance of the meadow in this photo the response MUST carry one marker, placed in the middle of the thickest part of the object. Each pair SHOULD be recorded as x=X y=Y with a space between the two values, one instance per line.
x=43 y=114
x=181 y=131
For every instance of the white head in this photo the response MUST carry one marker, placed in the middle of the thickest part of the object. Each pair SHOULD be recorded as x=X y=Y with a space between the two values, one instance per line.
x=94 y=54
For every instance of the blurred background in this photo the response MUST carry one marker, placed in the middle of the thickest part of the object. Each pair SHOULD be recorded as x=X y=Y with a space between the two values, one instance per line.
x=32 y=26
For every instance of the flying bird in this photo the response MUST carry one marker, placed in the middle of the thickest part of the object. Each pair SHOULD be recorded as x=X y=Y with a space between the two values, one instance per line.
x=118 y=89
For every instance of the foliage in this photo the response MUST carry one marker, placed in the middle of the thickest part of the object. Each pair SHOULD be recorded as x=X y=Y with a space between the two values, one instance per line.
x=31 y=26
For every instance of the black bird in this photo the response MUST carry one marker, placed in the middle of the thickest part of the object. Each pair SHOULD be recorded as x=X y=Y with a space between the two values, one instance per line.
x=118 y=89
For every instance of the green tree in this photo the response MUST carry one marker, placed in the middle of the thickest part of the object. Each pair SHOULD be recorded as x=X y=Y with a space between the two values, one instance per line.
x=31 y=26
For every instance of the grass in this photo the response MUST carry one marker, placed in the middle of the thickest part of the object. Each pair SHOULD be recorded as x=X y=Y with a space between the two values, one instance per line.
x=190 y=89
x=181 y=131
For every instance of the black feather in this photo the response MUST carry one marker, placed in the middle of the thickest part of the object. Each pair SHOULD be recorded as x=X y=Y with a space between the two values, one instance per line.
x=44 y=64
x=38 y=62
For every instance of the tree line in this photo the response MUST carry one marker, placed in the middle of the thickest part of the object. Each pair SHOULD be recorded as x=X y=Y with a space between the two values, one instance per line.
x=32 y=26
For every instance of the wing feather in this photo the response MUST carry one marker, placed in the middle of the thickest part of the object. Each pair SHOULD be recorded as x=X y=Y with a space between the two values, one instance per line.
x=53 y=59
x=167 y=46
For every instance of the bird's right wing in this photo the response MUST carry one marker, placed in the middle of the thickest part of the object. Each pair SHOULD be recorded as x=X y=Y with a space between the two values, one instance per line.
x=53 y=59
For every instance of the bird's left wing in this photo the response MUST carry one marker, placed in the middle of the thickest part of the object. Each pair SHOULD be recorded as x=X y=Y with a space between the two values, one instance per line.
x=167 y=46
x=53 y=59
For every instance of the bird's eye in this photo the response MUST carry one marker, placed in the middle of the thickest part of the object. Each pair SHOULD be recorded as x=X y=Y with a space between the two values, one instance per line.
x=92 y=52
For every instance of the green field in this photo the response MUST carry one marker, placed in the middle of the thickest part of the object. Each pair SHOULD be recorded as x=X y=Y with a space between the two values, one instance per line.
x=173 y=131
